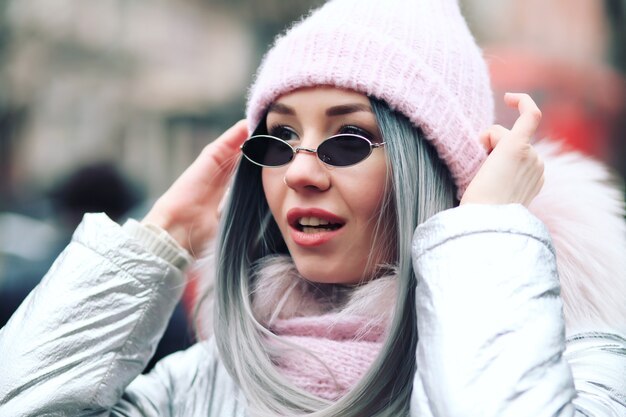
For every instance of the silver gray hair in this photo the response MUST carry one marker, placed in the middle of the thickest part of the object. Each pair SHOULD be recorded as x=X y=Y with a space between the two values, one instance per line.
x=420 y=186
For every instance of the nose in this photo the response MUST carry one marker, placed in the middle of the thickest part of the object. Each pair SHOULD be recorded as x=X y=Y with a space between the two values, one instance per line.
x=307 y=172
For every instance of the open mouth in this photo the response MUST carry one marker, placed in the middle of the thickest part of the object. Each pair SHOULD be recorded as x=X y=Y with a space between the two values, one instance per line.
x=315 y=225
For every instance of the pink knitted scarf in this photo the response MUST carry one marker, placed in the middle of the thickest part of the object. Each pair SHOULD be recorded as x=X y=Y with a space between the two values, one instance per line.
x=335 y=352
x=328 y=335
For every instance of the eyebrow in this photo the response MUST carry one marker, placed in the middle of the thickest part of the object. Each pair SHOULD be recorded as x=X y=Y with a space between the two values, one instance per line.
x=347 y=109
x=339 y=110
x=280 y=109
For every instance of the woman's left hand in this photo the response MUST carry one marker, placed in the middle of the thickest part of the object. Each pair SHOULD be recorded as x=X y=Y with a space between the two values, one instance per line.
x=189 y=210
x=513 y=172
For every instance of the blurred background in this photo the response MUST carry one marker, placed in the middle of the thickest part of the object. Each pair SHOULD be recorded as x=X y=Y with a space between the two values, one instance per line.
x=104 y=103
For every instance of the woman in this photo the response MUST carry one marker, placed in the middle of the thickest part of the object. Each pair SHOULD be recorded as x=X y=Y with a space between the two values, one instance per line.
x=368 y=261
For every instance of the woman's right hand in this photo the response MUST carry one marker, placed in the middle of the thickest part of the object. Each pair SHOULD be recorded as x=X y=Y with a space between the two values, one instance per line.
x=188 y=210
x=513 y=172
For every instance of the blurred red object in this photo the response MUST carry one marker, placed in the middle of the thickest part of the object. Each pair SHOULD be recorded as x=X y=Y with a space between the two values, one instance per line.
x=582 y=103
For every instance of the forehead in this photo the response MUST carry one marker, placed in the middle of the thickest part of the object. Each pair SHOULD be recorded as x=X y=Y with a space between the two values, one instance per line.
x=319 y=98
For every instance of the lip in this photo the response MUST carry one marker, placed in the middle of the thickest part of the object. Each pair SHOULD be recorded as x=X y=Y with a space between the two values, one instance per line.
x=312 y=239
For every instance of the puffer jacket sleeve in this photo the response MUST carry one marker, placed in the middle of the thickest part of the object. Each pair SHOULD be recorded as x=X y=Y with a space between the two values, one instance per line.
x=489 y=317
x=89 y=328
x=190 y=383
x=598 y=362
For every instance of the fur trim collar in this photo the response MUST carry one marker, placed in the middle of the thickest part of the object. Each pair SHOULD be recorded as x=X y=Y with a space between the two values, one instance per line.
x=583 y=208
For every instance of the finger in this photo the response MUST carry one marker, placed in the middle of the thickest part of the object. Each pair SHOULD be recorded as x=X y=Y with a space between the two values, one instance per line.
x=234 y=136
x=492 y=136
x=530 y=115
x=485 y=140
x=224 y=151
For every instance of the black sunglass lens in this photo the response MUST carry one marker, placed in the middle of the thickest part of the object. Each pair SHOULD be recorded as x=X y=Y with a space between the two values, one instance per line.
x=266 y=150
x=344 y=150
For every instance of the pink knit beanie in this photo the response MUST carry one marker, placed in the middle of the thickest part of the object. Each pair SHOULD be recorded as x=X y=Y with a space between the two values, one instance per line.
x=416 y=55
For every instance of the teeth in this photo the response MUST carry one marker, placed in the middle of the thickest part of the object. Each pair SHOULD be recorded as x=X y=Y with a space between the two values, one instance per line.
x=313 y=221
x=310 y=230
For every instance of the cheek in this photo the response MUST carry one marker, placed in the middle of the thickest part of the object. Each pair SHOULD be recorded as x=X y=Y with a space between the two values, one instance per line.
x=373 y=187
x=368 y=204
x=272 y=182
x=265 y=181
x=365 y=195
x=381 y=236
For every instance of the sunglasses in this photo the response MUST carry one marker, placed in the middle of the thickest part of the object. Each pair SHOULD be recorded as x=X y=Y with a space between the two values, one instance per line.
x=337 y=151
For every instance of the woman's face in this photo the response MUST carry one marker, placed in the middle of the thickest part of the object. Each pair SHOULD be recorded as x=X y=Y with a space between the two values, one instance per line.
x=327 y=215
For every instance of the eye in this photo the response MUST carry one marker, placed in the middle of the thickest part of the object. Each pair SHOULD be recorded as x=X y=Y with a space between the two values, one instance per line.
x=355 y=130
x=283 y=132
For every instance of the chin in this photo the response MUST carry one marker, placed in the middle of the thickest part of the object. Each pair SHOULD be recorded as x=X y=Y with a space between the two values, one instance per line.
x=326 y=274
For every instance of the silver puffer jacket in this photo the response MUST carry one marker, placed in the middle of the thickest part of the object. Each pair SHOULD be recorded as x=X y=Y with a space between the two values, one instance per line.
x=490 y=322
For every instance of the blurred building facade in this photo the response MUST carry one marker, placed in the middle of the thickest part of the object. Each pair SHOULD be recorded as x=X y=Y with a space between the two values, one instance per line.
x=148 y=84
x=145 y=84
x=131 y=82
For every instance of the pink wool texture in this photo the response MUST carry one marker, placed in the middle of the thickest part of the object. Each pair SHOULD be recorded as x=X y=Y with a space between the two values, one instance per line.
x=417 y=55
x=327 y=337
x=330 y=356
